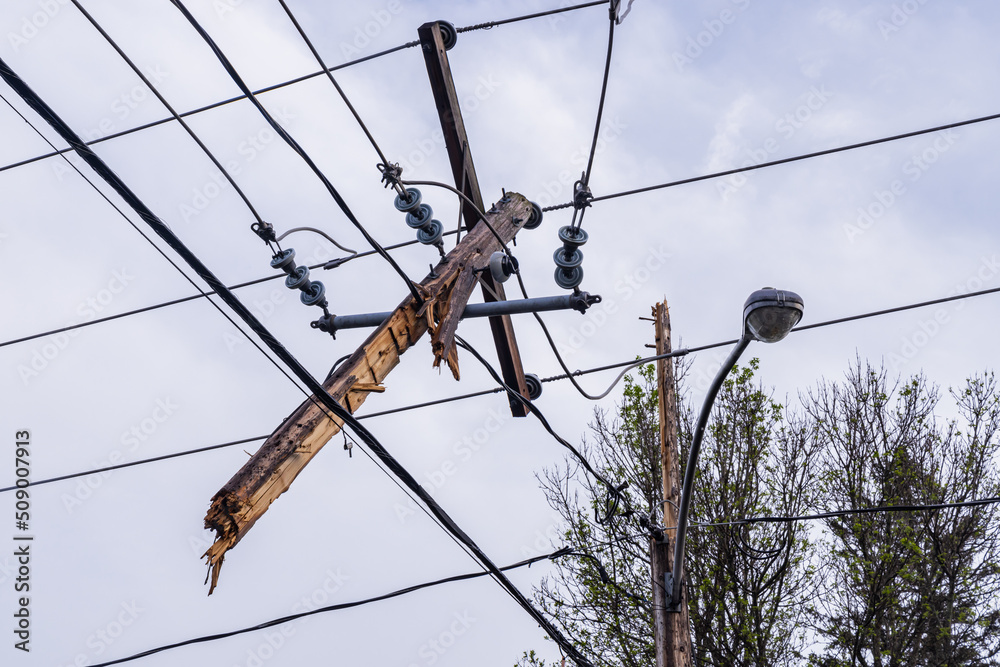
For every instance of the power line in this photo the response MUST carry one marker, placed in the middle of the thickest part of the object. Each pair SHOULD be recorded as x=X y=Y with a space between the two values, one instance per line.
x=336 y=85
x=21 y=88
x=331 y=264
x=295 y=146
x=296 y=80
x=140 y=462
x=318 y=391
x=336 y=607
x=493 y=24
x=163 y=101
x=584 y=185
x=762 y=165
x=212 y=106
x=626 y=365
x=848 y=512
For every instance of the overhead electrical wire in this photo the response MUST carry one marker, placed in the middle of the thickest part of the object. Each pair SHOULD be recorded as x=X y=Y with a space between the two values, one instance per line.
x=336 y=262
x=847 y=512
x=297 y=80
x=168 y=107
x=584 y=183
x=335 y=607
x=614 y=490
x=329 y=75
x=295 y=146
x=492 y=24
x=787 y=160
x=5 y=72
x=318 y=391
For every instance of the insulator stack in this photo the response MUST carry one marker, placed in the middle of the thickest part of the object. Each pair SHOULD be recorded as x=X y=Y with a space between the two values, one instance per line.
x=569 y=258
x=420 y=217
x=313 y=291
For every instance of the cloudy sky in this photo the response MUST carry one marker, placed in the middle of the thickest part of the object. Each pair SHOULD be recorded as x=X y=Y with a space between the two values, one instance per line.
x=694 y=88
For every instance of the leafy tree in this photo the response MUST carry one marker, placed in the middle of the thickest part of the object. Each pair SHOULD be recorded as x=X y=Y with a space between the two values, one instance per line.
x=908 y=588
x=749 y=585
x=747 y=581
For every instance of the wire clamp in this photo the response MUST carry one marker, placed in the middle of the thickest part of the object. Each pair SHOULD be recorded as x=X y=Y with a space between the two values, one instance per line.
x=582 y=195
x=581 y=301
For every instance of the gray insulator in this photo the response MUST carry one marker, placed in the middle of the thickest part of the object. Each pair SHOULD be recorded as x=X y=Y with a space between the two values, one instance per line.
x=563 y=261
x=535 y=218
x=500 y=267
x=448 y=35
x=298 y=278
x=419 y=217
x=572 y=238
x=315 y=295
x=569 y=278
x=431 y=233
x=407 y=205
x=284 y=260
x=534 y=386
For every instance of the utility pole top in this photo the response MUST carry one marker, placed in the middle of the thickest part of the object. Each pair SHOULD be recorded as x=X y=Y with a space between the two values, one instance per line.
x=464 y=171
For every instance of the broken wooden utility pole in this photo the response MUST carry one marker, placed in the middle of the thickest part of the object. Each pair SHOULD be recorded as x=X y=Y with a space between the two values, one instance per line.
x=445 y=292
x=671 y=630
x=432 y=43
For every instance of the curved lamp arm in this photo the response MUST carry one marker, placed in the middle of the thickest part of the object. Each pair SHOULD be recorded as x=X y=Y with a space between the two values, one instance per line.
x=674 y=584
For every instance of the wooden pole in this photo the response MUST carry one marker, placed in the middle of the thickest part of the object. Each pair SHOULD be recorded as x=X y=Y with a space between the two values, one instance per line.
x=464 y=170
x=671 y=630
x=269 y=472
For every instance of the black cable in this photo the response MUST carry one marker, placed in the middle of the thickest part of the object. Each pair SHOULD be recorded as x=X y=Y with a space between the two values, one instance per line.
x=585 y=181
x=318 y=391
x=493 y=24
x=338 y=262
x=762 y=165
x=290 y=82
x=615 y=491
x=336 y=85
x=140 y=462
x=163 y=101
x=335 y=607
x=840 y=513
x=214 y=105
x=294 y=145
x=202 y=293
x=567 y=375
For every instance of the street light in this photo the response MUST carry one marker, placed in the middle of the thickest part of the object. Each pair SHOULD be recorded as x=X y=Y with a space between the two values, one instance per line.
x=768 y=315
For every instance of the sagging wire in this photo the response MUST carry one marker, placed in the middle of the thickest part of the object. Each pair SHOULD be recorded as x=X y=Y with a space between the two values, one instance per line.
x=295 y=146
x=615 y=491
x=582 y=195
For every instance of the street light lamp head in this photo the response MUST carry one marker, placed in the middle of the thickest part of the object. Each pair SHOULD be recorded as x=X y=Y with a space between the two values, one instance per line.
x=769 y=314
